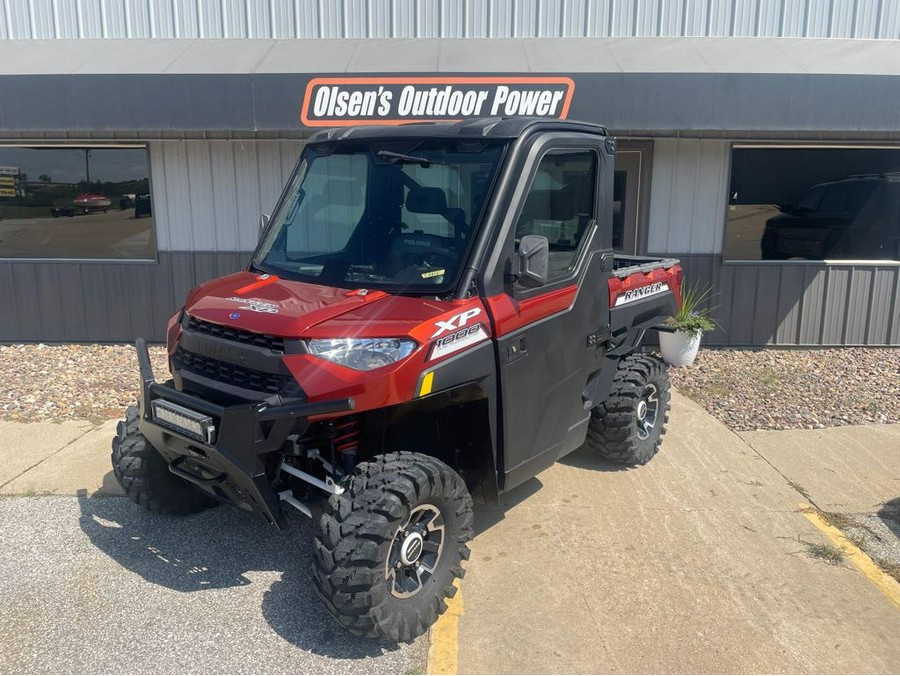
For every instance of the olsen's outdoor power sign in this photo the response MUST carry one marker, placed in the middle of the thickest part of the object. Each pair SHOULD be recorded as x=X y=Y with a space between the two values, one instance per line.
x=337 y=101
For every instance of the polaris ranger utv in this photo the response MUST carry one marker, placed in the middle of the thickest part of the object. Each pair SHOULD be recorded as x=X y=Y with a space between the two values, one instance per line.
x=433 y=312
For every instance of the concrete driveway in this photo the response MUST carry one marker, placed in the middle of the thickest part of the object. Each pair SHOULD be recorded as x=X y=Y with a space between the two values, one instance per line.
x=696 y=562
x=99 y=585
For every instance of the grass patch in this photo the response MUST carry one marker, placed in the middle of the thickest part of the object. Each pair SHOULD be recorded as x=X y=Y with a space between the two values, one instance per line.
x=844 y=523
x=889 y=567
x=797 y=487
x=830 y=554
x=874 y=406
x=769 y=378
x=841 y=521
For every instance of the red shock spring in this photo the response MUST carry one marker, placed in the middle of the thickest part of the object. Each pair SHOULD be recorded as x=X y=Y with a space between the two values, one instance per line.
x=346 y=436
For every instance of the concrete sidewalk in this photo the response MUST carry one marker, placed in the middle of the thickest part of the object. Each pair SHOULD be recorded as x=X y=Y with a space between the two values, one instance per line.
x=843 y=469
x=696 y=562
x=48 y=458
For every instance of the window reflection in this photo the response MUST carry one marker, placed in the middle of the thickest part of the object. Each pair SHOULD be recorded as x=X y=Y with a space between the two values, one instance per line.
x=814 y=204
x=75 y=202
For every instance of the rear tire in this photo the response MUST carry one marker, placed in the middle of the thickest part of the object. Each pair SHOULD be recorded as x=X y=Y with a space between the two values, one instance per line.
x=387 y=550
x=628 y=426
x=145 y=477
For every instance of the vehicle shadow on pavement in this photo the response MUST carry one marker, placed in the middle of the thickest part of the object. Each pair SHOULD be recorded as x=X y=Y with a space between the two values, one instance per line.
x=489 y=515
x=889 y=514
x=586 y=458
x=215 y=550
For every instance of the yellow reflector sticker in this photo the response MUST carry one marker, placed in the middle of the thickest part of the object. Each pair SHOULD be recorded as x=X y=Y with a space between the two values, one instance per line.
x=426 y=384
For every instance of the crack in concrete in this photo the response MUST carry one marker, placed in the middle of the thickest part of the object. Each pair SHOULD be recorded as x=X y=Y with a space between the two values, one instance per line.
x=94 y=427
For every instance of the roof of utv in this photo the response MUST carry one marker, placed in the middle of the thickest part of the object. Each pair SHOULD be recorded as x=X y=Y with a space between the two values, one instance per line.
x=482 y=127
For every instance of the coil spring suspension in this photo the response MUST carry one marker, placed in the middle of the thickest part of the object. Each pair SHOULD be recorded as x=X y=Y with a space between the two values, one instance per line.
x=346 y=442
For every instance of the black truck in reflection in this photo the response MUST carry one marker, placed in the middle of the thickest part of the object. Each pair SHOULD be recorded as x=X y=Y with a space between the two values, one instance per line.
x=856 y=218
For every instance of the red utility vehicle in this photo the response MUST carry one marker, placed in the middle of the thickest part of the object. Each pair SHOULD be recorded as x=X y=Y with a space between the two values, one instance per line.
x=433 y=312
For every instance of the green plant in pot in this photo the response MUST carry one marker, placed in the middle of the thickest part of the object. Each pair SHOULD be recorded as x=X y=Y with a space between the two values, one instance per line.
x=679 y=347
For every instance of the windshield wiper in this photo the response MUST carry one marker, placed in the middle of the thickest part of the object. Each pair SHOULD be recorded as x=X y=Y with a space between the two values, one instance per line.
x=400 y=158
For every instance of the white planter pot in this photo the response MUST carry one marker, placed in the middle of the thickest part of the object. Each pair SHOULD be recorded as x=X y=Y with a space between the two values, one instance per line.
x=679 y=348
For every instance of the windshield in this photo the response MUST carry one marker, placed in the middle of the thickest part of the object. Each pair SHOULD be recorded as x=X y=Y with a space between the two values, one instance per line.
x=393 y=215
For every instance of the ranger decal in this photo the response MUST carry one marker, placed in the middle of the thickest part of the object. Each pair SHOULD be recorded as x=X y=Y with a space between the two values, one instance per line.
x=641 y=292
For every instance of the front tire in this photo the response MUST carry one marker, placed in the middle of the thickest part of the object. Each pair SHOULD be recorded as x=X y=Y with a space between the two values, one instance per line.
x=145 y=477
x=628 y=426
x=388 y=550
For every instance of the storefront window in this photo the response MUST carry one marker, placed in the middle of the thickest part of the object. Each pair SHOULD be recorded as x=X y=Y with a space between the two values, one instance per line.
x=813 y=203
x=75 y=202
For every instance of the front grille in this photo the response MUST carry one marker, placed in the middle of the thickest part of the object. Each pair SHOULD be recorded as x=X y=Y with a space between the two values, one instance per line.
x=273 y=343
x=236 y=376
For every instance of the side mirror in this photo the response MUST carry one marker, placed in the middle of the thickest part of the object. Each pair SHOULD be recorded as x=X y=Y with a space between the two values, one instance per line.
x=263 y=221
x=533 y=261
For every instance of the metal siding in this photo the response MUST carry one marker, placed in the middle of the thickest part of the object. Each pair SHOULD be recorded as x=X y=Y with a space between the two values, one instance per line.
x=857 y=308
x=661 y=186
x=48 y=301
x=208 y=195
x=271 y=176
x=249 y=205
x=688 y=193
x=789 y=311
x=75 y=301
x=836 y=285
x=9 y=314
x=742 y=311
x=766 y=318
x=799 y=304
x=234 y=19
x=225 y=191
x=202 y=223
x=879 y=306
x=894 y=335
x=793 y=19
x=138 y=13
x=173 y=194
x=889 y=22
x=31 y=19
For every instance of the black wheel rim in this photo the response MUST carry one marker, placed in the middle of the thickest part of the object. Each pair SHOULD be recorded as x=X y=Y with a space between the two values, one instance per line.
x=415 y=551
x=647 y=411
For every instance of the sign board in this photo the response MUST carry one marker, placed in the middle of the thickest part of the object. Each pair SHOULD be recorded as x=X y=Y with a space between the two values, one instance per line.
x=343 y=101
x=7 y=180
x=7 y=192
x=9 y=171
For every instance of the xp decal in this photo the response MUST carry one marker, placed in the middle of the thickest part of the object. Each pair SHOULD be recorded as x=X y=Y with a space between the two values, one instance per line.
x=641 y=292
x=338 y=101
x=455 y=322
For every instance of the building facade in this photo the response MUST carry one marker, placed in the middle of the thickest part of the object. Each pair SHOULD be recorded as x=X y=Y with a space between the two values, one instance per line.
x=759 y=141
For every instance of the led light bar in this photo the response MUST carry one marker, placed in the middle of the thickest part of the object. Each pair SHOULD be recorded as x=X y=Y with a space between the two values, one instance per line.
x=190 y=423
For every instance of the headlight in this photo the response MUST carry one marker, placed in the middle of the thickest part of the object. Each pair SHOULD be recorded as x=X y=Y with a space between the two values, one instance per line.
x=362 y=354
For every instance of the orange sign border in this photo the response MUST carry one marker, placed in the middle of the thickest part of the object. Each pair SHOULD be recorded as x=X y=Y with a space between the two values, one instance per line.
x=439 y=80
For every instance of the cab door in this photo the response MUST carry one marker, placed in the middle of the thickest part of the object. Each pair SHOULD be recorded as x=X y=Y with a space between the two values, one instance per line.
x=546 y=337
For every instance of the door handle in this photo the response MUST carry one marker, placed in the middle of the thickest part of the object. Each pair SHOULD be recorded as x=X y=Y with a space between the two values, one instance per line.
x=517 y=349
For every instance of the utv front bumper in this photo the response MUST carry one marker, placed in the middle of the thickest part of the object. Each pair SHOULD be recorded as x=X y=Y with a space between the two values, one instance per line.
x=230 y=452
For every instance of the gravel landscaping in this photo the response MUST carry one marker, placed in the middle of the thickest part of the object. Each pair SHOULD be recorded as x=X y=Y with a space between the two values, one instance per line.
x=61 y=382
x=746 y=389
x=795 y=389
